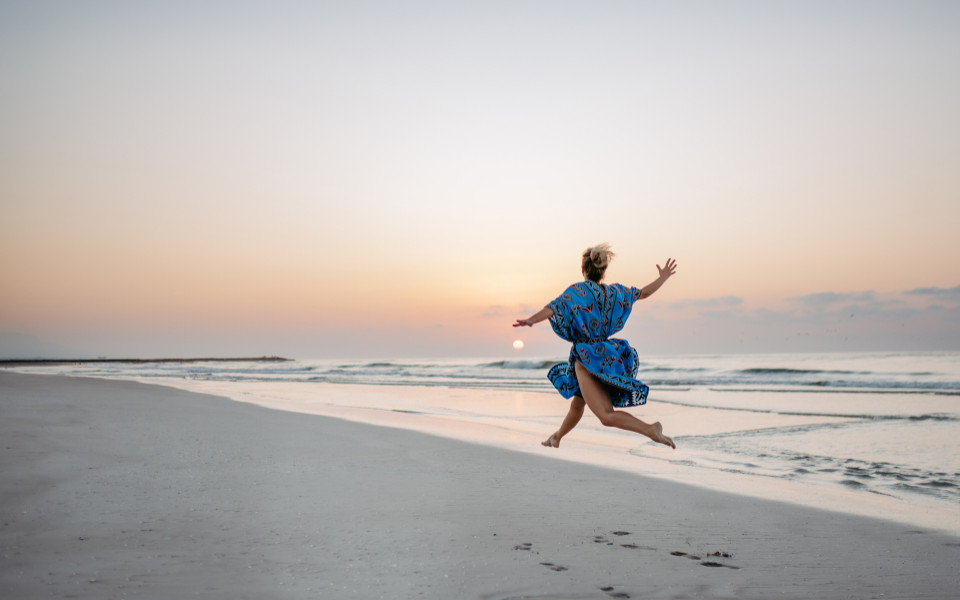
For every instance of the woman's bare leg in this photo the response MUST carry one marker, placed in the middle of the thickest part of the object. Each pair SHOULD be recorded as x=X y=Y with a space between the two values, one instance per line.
x=599 y=402
x=569 y=422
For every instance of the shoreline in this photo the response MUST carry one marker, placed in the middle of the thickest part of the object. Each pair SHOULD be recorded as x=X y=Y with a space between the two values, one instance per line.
x=118 y=488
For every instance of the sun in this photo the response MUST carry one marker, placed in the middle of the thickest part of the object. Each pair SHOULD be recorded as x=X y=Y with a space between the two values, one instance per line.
x=518 y=344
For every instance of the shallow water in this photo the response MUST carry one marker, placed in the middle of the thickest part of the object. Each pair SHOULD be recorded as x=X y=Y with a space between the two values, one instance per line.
x=900 y=458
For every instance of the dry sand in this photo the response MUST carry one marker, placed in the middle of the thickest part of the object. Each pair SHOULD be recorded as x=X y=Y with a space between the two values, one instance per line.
x=123 y=490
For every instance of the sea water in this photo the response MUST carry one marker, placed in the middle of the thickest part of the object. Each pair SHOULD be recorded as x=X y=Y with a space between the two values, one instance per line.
x=907 y=372
x=872 y=424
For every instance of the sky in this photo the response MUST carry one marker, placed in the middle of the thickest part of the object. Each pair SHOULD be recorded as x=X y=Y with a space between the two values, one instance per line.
x=405 y=179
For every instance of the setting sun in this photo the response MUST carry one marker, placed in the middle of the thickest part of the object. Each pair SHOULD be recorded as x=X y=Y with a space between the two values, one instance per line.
x=518 y=344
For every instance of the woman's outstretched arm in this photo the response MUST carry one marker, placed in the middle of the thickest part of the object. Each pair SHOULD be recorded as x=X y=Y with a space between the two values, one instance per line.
x=669 y=268
x=545 y=313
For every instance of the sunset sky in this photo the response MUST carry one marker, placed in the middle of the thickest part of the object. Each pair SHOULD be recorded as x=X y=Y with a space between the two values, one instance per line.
x=388 y=179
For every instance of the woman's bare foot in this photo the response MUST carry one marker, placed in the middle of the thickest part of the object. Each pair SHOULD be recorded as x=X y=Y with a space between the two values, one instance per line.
x=551 y=442
x=660 y=438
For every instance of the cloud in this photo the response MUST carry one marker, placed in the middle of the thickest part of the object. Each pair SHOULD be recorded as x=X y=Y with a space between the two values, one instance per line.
x=814 y=323
x=824 y=299
x=818 y=309
x=725 y=301
x=938 y=292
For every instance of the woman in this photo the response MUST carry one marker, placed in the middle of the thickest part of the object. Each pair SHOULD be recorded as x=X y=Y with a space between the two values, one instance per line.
x=601 y=372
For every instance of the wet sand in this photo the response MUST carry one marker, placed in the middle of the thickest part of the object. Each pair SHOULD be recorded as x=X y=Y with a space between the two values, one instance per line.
x=520 y=420
x=116 y=489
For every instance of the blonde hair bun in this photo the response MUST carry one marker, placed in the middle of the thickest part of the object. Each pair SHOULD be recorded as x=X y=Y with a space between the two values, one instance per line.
x=596 y=260
x=601 y=255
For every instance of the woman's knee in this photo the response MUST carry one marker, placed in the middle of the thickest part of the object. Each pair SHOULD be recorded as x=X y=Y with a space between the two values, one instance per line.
x=607 y=418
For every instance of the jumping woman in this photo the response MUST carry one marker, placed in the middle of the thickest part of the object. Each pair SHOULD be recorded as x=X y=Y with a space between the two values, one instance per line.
x=601 y=372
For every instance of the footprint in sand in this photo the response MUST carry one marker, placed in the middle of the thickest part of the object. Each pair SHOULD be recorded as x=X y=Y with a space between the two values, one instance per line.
x=708 y=563
x=528 y=547
x=599 y=539
x=636 y=547
x=613 y=594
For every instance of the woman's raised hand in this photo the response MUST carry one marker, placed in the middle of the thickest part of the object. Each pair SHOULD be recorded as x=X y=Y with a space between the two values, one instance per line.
x=544 y=313
x=669 y=268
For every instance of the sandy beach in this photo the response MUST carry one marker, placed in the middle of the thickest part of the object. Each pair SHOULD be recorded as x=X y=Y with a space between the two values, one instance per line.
x=114 y=489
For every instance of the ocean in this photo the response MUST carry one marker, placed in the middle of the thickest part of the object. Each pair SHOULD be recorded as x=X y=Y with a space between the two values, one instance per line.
x=872 y=424
x=936 y=373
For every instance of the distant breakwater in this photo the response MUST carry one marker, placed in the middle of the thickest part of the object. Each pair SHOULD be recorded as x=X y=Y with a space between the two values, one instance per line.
x=76 y=361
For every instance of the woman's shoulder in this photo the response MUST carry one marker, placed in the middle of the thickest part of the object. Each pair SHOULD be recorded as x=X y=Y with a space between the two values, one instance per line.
x=574 y=292
x=579 y=287
x=618 y=287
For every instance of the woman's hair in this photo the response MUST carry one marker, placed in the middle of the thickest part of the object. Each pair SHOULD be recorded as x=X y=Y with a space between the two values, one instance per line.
x=595 y=261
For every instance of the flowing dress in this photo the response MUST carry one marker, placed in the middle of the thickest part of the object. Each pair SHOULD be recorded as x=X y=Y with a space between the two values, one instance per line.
x=587 y=314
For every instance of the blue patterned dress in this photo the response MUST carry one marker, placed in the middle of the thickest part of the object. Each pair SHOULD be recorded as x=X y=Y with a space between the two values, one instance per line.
x=587 y=314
